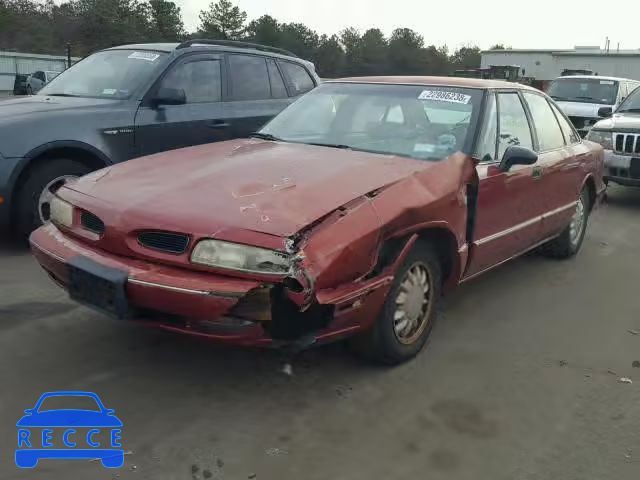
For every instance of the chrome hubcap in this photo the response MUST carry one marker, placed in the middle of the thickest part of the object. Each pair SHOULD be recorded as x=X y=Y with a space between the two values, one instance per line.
x=577 y=223
x=44 y=202
x=413 y=304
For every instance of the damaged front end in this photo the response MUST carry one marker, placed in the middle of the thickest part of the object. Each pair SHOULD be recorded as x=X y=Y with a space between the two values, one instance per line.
x=342 y=266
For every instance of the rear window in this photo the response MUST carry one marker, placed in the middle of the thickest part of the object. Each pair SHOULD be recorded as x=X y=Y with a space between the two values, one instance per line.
x=300 y=80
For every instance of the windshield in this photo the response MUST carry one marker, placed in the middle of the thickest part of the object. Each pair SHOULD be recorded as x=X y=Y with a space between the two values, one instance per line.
x=422 y=122
x=632 y=102
x=109 y=74
x=586 y=90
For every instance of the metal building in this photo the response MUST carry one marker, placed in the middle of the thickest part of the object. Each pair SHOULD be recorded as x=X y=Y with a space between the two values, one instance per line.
x=545 y=65
x=13 y=63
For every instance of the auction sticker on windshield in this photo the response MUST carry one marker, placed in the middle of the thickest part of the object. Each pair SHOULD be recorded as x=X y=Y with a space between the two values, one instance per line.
x=148 y=56
x=444 y=96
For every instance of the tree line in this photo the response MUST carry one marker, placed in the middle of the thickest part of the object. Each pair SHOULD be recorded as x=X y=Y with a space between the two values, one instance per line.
x=42 y=26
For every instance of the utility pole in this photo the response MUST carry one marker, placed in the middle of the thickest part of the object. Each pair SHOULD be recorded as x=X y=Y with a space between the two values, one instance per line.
x=68 y=55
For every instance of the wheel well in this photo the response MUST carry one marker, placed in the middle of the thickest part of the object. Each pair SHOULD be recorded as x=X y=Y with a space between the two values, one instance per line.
x=442 y=239
x=83 y=156
x=446 y=245
x=591 y=189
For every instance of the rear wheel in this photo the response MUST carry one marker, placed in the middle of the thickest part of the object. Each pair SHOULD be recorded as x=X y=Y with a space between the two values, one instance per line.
x=34 y=197
x=570 y=240
x=409 y=312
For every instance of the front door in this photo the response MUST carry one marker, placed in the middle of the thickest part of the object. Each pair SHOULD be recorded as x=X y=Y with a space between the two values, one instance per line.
x=508 y=212
x=201 y=119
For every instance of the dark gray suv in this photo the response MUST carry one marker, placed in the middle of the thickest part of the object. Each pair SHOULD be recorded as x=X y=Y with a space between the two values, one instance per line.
x=135 y=100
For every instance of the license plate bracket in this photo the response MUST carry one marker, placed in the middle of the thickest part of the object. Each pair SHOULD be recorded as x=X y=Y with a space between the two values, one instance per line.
x=97 y=286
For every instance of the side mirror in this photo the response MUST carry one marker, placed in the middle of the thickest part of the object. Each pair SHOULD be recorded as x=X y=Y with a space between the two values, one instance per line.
x=169 y=96
x=516 y=155
x=605 y=112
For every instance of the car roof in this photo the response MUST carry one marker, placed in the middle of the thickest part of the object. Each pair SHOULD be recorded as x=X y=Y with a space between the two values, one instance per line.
x=444 y=81
x=597 y=77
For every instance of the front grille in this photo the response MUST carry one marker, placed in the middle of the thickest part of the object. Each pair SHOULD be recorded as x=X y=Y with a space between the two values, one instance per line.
x=627 y=143
x=164 y=241
x=92 y=223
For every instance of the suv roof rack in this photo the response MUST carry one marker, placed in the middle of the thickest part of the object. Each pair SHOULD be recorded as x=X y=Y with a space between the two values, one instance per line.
x=235 y=43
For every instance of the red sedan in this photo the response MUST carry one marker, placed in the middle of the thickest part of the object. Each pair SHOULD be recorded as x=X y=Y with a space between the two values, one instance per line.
x=346 y=216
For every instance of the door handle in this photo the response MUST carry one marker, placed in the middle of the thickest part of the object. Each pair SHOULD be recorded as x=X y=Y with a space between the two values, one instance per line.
x=536 y=173
x=219 y=124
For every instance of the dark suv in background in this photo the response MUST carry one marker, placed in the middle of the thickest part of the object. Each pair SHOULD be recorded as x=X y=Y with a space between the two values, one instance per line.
x=135 y=100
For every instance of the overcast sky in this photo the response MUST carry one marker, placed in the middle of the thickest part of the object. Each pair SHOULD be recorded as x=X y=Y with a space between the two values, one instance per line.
x=520 y=24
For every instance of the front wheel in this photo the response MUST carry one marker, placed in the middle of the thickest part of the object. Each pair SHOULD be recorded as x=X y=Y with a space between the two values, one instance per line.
x=35 y=195
x=409 y=312
x=570 y=240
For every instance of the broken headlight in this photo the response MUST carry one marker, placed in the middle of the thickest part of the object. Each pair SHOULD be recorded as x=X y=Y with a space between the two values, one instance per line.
x=603 y=138
x=244 y=258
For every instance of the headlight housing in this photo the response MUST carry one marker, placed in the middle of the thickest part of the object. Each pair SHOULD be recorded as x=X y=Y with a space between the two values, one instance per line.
x=603 y=138
x=234 y=256
x=61 y=212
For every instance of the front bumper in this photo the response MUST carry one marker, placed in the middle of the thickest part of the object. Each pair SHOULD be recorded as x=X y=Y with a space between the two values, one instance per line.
x=204 y=304
x=618 y=169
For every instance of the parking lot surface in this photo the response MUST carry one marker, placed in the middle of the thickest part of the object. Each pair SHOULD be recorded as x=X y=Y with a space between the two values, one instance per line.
x=521 y=380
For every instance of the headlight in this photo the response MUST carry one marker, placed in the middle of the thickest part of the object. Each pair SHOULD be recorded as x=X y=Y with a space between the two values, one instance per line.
x=61 y=212
x=603 y=138
x=233 y=256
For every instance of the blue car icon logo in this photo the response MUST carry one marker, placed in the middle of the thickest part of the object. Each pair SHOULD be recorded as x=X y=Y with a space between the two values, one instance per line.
x=77 y=428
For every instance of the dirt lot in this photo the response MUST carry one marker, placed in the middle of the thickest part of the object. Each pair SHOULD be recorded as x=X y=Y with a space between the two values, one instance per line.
x=520 y=382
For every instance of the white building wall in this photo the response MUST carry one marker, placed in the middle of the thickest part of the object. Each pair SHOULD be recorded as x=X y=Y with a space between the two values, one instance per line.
x=12 y=63
x=547 y=65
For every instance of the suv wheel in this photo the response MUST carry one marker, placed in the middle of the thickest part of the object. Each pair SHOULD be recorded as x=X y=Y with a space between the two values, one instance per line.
x=33 y=203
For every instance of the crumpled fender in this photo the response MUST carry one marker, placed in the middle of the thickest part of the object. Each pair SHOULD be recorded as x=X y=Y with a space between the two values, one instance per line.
x=336 y=256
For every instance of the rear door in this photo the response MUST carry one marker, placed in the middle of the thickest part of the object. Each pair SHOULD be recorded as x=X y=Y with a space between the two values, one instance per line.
x=200 y=120
x=256 y=93
x=507 y=216
x=559 y=160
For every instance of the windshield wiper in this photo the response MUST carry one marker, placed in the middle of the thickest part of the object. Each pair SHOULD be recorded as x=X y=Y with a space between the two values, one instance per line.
x=330 y=145
x=585 y=98
x=265 y=136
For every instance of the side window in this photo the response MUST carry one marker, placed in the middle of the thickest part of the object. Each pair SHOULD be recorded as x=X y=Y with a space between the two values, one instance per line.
x=549 y=134
x=39 y=75
x=278 y=89
x=570 y=135
x=514 y=127
x=199 y=79
x=249 y=77
x=486 y=151
x=301 y=81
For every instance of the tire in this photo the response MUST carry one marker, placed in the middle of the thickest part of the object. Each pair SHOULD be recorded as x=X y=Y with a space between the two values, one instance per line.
x=569 y=242
x=29 y=90
x=28 y=216
x=383 y=343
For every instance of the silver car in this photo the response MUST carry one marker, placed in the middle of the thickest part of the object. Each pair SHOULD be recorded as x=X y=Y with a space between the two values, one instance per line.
x=39 y=79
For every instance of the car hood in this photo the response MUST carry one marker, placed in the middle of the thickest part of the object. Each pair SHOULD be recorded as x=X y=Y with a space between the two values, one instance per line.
x=620 y=121
x=39 y=104
x=69 y=418
x=269 y=187
x=579 y=109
